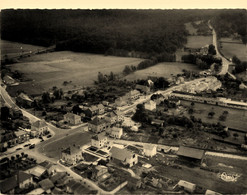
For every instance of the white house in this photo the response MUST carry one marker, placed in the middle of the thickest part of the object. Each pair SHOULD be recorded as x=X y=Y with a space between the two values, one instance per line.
x=99 y=140
x=150 y=105
x=40 y=126
x=150 y=150
x=116 y=132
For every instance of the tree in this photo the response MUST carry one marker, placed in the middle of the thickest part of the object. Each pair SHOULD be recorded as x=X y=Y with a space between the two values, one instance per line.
x=211 y=114
x=5 y=113
x=211 y=49
x=235 y=135
x=112 y=76
x=235 y=60
x=46 y=98
x=101 y=78
x=127 y=70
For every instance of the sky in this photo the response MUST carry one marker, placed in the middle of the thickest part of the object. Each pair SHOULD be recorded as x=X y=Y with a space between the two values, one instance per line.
x=123 y=4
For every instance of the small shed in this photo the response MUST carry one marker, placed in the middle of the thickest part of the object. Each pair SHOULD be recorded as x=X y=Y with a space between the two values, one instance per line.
x=190 y=153
x=187 y=186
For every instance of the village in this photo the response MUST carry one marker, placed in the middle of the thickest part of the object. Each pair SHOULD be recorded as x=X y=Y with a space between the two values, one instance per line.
x=123 y=133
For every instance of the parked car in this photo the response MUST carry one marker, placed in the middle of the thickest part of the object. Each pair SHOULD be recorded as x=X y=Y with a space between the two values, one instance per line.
x=18 y=148
x=48 y=136
x=32 y=146
x=26 y=145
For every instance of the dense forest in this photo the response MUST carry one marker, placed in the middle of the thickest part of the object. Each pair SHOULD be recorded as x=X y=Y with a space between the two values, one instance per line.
x=113 y=32
x=229 y=22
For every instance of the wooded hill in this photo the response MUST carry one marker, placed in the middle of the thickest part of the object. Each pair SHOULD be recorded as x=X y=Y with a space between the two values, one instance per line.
x=113 y=32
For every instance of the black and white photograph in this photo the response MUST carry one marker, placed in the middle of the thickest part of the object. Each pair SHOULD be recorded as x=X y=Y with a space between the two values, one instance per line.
x=123 y=97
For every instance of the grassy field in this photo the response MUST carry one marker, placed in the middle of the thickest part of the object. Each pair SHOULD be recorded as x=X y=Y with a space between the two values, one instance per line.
x=53 y=149
x=190 y=28
x=13 y=48
x=198 y=41
x=234 y=47
x=52 y=69
x=165 y=69
x=235 y=117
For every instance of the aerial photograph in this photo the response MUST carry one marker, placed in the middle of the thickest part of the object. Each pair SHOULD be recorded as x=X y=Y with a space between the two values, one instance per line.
x=135 y=99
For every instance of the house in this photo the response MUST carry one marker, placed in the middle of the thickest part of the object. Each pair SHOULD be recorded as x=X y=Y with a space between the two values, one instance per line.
x=157 y=122
x=143 y=88
x=98 y=125
x=192 y=154
x=46 y=185
x=23 y=100
x=150 y=105
x=115 y=116
x=187 y=186
x=116 y=132
x=100 y=173
x=123 y=156
x=40 y=126
x=119 y=102
x=50 y=167
x=71 y=155
x=21 y=136
x=21 y=180
x=101 y=109
x=150 y=150
x=132 y=95
x=99 y=140
x=37 y=172
x=58 y=176
x=72 y=118
x=75 y=187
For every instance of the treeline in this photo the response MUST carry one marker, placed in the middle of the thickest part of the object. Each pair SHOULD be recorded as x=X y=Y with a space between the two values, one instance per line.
x=229 y=22
x=163 y=57
x=114 y=32
x=239 y=65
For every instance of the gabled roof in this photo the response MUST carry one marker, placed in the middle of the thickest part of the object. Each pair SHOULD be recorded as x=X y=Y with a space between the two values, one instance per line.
x=39 y=124
x=93 y=108
x=24 y=97
x=72 y=150
x=149 y=146
x=120 y=154
x=12 y=182
x=20 y=133
x=116 y=129
x=46 y=184
x=99 y=136
x=151 y=102
x=190 y=152
x=97 y=121
x=73 y=116
x=46 y=164
x=37 y=171
x=58 y=176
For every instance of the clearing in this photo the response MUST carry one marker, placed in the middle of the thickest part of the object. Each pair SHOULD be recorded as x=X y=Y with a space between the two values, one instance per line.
x=165 y=69
x=52 y=69
x=13 y=49
x=198 y=41
x=232 y=47
x=53 y=149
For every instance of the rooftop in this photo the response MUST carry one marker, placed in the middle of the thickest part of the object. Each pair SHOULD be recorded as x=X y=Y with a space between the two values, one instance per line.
x=97 y=121
x=39 y=124
x=71 y=115
x=46 y=184
x=120 y=154
x=99 y=136
x=190 y=152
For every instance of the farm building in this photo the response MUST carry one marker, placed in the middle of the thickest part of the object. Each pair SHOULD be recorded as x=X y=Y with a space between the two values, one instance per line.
x=191 y=154
x=187 y=186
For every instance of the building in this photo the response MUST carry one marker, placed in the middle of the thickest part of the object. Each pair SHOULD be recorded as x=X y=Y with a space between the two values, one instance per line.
x=99 y=140
x=132 y=95
x=23 y=100
x=95 y=110
x=9 y=80
x=101 y=109
x=100 y=173
x=72 y=118
x=37 y=172
x=187 y=186
x=157 y=122
x=119 y=102
x=8 y=139
x=21 y=180
x=46 y=185
x=179 y=80
x=71 y=155
x=123 y=156
x=115 y=116
x=190 y=154
x=75 y=187
x=150 y=105
x=21 y=136
x=116 y=132
x=150 y=150
x=204 y=50
x=40 y=126
x=143 y=88
x=98 y=125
